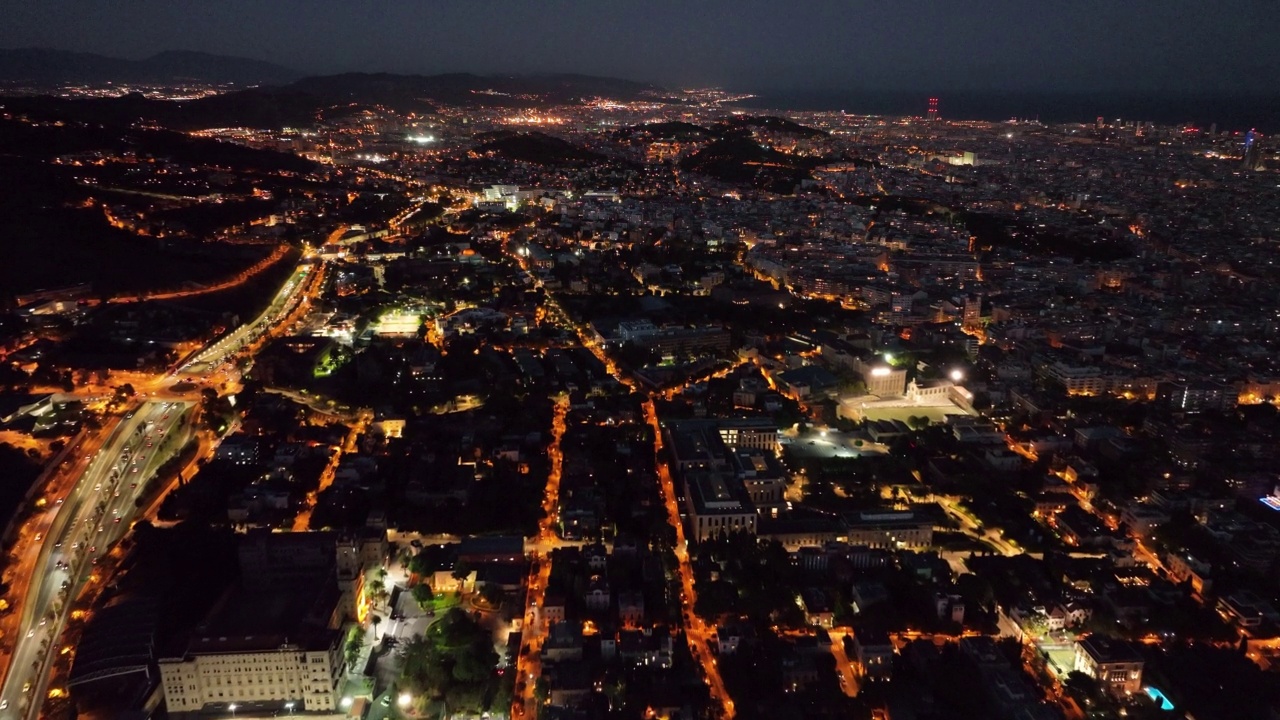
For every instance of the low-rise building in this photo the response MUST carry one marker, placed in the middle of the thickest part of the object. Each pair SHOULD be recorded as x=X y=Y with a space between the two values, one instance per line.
x=717 y=506
x=873 y=652
x=1112 y=662
x=890 y=529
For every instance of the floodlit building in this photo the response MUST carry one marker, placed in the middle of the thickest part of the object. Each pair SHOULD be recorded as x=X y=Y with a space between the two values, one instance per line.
x=1112 y=662
x=274 y=639
x=220 y=670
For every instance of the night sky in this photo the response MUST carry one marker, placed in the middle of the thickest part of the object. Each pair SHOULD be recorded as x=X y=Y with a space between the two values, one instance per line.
x=935 y=45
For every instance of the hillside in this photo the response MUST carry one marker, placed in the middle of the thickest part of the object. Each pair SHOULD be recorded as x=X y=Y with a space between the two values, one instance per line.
x=743 y=160
x=299 y=103
x=672 y=130
x=536 y=148
x=769 y=123
x=53 y=236
x=410 y=91
x=42 y=66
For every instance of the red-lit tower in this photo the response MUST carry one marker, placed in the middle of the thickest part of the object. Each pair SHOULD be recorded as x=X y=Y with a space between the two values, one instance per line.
x=933 y=109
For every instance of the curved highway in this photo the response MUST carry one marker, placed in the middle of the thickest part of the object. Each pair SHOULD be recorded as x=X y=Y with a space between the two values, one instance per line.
x=214 y=355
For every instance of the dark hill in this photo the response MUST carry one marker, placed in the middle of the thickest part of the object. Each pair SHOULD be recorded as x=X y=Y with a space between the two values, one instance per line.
x=254 y=108
x=742 y=160
x=674 y=130
x=50 y=238
x=771 y=123
x=47 y=67
x=535 y=148
x=44 y=142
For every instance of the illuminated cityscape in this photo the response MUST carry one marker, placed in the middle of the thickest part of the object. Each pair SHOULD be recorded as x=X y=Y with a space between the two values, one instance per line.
x=558 y=396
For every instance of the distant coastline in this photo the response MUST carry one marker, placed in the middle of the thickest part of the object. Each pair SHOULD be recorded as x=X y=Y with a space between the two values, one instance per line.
x=1231 y=113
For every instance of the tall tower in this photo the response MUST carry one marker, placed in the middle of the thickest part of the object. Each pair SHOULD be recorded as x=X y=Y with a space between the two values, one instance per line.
x=972 y=317
x=933 y=110
x=1252 y=151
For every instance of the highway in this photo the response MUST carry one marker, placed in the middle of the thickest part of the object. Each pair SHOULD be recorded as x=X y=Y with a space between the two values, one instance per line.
x=92 y=516
x=294 y=291
x=89 y=503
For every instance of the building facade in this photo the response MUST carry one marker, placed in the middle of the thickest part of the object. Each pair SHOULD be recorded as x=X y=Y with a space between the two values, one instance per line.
x=1112 y=662
x=222 y=670
x=890 y=529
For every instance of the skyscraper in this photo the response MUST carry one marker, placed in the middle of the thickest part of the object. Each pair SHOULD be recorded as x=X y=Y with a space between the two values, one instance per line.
x=1252 y=151
x=933 y=109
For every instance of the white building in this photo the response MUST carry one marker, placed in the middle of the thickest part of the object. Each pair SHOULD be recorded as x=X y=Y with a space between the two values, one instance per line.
x=1077 y=380
x=224 y=670
x=1112 y=662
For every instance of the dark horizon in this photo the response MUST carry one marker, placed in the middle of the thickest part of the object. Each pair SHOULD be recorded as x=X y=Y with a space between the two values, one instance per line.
x=1237 y=110
x=924 y=46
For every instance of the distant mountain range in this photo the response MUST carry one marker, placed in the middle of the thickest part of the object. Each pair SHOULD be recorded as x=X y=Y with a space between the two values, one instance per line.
x=297 y=103
x=40 y=66
x=468 y=89
x=35 y=67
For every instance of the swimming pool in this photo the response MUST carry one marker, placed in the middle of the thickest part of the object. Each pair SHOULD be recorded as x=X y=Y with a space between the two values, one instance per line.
x=1159 y=697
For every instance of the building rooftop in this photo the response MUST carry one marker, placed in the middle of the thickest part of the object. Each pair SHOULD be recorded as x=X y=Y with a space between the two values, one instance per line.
x=1105 y=650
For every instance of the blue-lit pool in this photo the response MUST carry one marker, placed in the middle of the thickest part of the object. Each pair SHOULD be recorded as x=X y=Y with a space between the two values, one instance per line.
x=1159 y=697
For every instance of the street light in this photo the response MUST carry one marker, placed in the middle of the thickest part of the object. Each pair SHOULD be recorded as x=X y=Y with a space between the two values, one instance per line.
x=404 y=700
x=232 y=708
x=289 y=706
x=957 y=375
x=345 y=703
